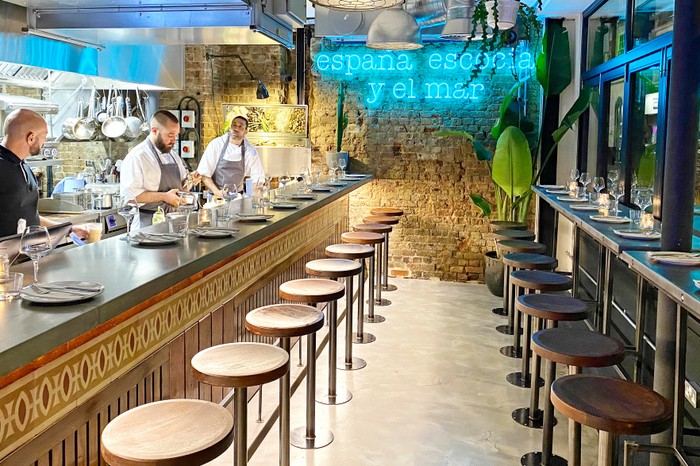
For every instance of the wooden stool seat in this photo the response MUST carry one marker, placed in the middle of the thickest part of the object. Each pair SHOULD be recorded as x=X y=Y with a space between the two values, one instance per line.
x=362 y=237
x=512 y=234
x=507 y=225
x=387 y=211
x=612 y=405
x=333 y=268
x=170 y=432
x=540 y=280
x=529 y=261
x=383 y=219
x=552 y=307
x=577 y=347
x=517 y=245
x=373 y=227
x=311 y=290
x=284 y=320
x=349 y=251
x=240 y=364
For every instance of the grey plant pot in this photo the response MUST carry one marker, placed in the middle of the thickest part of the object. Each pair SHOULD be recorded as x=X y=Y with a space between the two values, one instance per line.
x=493 y=273
x=336 y=156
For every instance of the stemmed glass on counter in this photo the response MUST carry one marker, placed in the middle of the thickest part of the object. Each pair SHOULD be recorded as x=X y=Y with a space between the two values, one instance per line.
x=644 y=198
x=332 y=167
x=188 y=204
x=35 y=243
x=128 y=208
x=585 y=180
x=316 y=172
x=598 y=185
x=342 y=164
x=283 y=180
x=303 y=171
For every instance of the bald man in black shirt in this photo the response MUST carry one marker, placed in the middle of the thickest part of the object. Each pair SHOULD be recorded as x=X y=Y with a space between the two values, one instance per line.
x=24 y=132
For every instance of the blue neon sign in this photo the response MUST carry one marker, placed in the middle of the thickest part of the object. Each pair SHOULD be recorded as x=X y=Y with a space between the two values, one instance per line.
x=436 y=73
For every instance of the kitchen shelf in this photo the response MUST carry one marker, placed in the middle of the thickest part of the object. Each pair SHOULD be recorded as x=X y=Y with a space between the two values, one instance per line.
x=45 y=163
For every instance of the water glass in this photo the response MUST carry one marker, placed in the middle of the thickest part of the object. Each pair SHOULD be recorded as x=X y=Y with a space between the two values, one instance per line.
x=94 y=232
x=636 y=217
x=177 y=222
x=342 y=164
x=10 y=285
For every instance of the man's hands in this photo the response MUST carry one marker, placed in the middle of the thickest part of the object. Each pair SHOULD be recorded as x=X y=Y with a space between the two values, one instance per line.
x=171 y=197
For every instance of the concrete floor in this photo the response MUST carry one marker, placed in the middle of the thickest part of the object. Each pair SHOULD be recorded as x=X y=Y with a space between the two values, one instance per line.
x=433 y=391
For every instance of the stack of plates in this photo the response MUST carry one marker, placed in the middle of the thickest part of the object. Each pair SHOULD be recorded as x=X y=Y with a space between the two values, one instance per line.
x=322 y=189
x=285 y=205
x=590 y=208
x=213 y=232
x=557 y=191
x=636 y=233
x=254 y=217
x=552 y=186
x=609 y=219
x=155 y=239
x=335 y=183
x=306 y=197
x=61 y=292
x=572 y=199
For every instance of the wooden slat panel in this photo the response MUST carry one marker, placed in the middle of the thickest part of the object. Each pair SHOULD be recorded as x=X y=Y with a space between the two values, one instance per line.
x=70 y=450
x=204 y=343
x=93 y=434
x=148 y=389
x=57 y=455
x=217 y=338
x=82 y=445
x=191 y=348
x=177 y=366
x=44 y=460
x=229 y=330
x=162 y=384
x=103 y=420
x=132 y=397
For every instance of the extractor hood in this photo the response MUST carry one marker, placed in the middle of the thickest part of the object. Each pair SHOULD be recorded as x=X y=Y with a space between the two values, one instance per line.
x=9 y=103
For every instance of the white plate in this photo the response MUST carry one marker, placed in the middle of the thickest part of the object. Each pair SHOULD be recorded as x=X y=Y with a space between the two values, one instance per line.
x=254 y=217
x=609 y=219
x=687 y=260
x=354 y=175
x=153 y=239
x=571 y=199
x=212 y=232
x=61 y=292
x=285 y=205
x=552 y=186
x=589 y=208
x=322 y=189
x=557 y=191
x=306 y=197
x=638 y=234
x=335 y=183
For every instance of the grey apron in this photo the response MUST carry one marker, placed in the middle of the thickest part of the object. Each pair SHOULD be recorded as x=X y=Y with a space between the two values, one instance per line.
x=228 y=172
x=169 y=179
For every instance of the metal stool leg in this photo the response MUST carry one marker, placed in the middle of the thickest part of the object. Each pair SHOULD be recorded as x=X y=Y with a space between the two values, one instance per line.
x=361 y=337
x=381 y=266
x=532 y=416
x=334 y=395
x=240 y=418
x=508 y=303
x=522 y=378
x=284 y=409
x=349 y=363
x=514 y=350
x=503 y=311
x=371 y=317
x=309 y=437
x=386 y=286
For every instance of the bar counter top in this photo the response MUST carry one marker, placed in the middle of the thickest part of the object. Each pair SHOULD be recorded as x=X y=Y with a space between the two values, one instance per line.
x=131 y=275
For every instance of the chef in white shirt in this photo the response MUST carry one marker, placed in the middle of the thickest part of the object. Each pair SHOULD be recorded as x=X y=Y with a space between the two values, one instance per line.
x=152 y=173
x=229 y=158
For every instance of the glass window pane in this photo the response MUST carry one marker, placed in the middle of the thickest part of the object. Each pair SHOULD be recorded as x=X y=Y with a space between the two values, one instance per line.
x=612 y=147
x=643 y=124
x=592 y=153
x=652 y=18
x=606 y=32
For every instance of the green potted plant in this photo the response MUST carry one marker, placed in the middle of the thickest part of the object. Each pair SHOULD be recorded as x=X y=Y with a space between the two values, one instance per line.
x=341 y=125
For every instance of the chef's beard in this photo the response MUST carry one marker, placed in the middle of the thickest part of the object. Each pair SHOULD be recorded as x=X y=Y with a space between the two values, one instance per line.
x=162 y=146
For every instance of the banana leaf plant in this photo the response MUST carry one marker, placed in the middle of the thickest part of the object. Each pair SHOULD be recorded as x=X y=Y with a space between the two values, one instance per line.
x=513 y=165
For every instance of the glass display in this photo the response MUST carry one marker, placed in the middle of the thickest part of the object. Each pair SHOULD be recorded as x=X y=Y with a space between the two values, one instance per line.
x=643 y=123
x=606 y=32
x=612 y=147
x=652 y=18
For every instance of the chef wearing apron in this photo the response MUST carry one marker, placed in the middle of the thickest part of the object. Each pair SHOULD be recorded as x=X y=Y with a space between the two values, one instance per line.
x=228 y=159
x=151 y=172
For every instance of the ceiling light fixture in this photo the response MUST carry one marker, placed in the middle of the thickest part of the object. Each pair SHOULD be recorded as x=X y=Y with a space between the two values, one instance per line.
x=261 y=91
x=357 y=5
x=394 y=29
x=60 y=38
x=459 y=20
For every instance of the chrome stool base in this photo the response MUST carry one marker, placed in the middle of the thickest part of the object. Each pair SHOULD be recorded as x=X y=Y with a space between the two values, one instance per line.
x=377 y=319
x=299 y=439
x=511 y=351
x=341 y=396
x=389 y=287
x=381 y=302
x=505 y=329
x=356 y=364
x=534 y=458
x=517 y=379
x=366 y=338
x=522 y=417
x=499 y=311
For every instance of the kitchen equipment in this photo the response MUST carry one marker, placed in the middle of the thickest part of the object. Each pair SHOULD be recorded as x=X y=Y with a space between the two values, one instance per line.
x=70 y=124
x=145 y=126
x=85 y=128
x=103 y=114
x=114 y=126
x=133 y=124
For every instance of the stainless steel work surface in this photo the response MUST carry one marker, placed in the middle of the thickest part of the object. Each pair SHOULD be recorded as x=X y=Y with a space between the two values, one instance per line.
x=130 y=274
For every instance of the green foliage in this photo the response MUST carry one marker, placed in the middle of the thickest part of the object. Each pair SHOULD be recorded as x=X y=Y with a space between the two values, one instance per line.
x=342 y=117
x=512 y=163
x=482 y=204
x=553 y=64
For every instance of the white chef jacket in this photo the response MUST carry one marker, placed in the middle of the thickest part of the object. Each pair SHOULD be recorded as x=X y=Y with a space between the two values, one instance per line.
x=253 y=165
x=140 y=170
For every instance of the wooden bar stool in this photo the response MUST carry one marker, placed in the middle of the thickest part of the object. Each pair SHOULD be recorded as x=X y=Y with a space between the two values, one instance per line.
x=521 y=260
x=334 y=269
x=284 y=321
x=384 y=230
x=613 y=406
x=576 y=348
x=358 y=252
x=508 y=246
x=240 y=365
x=376 y=240
x=549 y=309
x=168 y=433
x=387 y=212
x=384 y=220
x=507 y=225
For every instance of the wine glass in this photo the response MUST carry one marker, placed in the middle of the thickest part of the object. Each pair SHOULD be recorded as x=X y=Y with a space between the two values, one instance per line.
x=316 y=171
x=342 y=164
x=332 y=167
x=574 y=174
x=187 y=206
x=35 y=243
x=613 y=175
x=300 y=179
x=598 y=185
x=585 y=180
x=128 y=208
x=284 y=179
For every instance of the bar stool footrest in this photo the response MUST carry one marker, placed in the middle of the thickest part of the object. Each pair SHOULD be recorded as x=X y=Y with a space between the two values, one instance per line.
x=356 y=364
x=389 y=287
x=380 y=302
x=298 y=438
x=341 y=396
x=506 y=330
x=534 y=458
x=511 y=351
x=366 y=338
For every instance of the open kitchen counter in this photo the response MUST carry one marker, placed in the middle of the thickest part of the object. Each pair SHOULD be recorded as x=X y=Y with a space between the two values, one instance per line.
x=81 y=364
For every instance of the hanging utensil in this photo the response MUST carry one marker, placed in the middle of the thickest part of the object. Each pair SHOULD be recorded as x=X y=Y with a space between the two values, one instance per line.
x=84 y=129
x=133 y=124
x=146 y=126
x=103 y=114
x=69 y=125
x=114 y=126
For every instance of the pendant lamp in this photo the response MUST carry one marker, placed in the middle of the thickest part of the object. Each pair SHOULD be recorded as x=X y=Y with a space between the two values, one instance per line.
x=507 y=13
x=357 y=5
x=459 y=20
x=394 y=29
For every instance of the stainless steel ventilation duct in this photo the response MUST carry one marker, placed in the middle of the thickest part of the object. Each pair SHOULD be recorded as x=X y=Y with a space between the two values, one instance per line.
x=426 y=12
x=459 y=20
